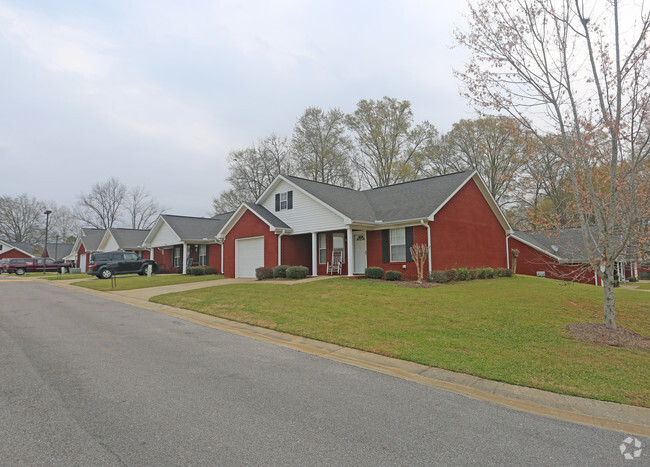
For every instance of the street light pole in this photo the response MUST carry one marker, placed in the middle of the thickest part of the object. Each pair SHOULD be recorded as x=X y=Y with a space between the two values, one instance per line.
x=47 y=224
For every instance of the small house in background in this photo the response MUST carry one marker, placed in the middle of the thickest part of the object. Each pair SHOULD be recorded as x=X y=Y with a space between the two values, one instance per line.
x=86 y=244
x=121 y=239
x=15 y=250
x=561 y=255
x=61 y=252
x=303 y=222
x=181 y=241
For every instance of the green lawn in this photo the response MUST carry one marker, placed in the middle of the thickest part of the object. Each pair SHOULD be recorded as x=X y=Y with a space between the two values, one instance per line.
x=510 y=330
x=644 y=286
x=141 y=282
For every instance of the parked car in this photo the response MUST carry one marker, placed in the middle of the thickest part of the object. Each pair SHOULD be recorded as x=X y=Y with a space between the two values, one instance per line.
x=105 y=265
x=20 y=266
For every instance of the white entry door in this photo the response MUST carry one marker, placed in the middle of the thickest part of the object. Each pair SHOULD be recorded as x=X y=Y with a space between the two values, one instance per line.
x=82 y=262
x=360 y=260
x=249 y=255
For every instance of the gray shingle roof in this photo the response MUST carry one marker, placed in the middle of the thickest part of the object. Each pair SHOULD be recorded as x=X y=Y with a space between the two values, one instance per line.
x=24 y=246
x=129 y=238
x=91 y=238
x=267 y=216
x=403 y=201
x=568 y=244
x=196 y=228
x=59 y=250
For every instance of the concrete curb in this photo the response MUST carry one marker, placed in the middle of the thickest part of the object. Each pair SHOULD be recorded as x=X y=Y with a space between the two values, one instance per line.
x=606 y=415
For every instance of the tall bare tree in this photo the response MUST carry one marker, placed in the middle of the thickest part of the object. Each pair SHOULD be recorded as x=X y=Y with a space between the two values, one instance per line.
x=577 y=69
x=251 y=171
x=321 y=148
x=101 y=207
x=389 y=148
x=22 y=219
x=495 y=147
x=63 y=223
x=141 y=209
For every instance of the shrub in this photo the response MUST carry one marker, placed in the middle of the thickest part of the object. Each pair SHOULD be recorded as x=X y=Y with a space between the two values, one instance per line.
x=297 y=272
x=374 y=273
x=393 y=276
x=485 y=273
x=451 y=274
x=439 y=277
x=210 y=270
x=264 y=273
x=503 y=272
x=195 y=271
x=462 y=274
x=474 y=274
x=632 y=279
x=280 y=270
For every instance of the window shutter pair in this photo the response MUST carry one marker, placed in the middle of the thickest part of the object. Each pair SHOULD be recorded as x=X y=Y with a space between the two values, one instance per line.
x=289 y=201
x=385 y=244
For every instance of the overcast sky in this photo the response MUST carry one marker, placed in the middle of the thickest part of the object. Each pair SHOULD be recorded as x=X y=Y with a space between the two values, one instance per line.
x=158 y=92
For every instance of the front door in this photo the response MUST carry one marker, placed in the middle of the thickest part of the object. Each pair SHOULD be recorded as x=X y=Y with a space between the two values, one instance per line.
x=360 y=261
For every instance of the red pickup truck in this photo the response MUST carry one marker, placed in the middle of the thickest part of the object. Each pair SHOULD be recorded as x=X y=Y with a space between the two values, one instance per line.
x=22 y=265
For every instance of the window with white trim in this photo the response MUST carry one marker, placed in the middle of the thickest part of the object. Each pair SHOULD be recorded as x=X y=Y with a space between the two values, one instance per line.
x=178 y=259
x=338 y=244
x=284 y=200
x=203 y=258
x=322 y=248
x=398 y=245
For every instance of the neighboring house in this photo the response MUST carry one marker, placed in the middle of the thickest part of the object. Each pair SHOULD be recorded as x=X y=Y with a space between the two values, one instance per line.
x=86 y=244
x=115 y=239
x=302 y=222
x=60 y=251
x=181 y=241
x=15 y=250
x=560 y=255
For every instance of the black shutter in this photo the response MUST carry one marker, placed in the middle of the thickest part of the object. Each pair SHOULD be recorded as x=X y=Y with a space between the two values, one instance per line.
x=277 y=202
x=409 y=243
x=207 y=255
x=385 y=246
x=290 y=200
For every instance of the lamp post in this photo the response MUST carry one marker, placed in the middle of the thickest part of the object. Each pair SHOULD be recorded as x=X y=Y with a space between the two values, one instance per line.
x=47 y=224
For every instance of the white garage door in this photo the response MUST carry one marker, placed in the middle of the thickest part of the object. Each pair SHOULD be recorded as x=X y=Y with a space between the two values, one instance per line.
x=249 y=256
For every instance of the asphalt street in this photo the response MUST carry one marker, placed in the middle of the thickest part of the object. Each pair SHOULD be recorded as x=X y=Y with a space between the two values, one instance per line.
x=89 y=381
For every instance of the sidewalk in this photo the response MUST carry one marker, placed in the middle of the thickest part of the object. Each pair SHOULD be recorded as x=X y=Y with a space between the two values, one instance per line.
x=607 y=415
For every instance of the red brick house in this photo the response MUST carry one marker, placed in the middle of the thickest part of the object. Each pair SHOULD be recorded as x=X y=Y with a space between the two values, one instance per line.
x=561 y=255
x=302 y=222
x=15 y=250
x=181 y=241
x=86 y=244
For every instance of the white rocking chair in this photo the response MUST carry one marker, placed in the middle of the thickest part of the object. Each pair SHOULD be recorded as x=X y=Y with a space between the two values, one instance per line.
x=336 y=266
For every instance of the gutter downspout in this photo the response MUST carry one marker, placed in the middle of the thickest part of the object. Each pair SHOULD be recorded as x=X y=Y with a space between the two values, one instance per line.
x=220 y=242
x=508 y=251
x=280 y=246
x=426 y=224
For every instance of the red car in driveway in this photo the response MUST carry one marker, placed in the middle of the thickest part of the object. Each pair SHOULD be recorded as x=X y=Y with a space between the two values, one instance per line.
x=20 y=266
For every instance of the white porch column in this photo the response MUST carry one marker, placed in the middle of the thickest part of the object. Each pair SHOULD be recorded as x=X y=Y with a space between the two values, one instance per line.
x=636 y=269
x=507 y=252
x=185 y=248
x=151 y=254
x=314 y=254
x=350 y=253
x=595 y=277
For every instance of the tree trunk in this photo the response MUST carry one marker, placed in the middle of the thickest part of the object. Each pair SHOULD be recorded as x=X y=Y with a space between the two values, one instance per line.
x=608 y=291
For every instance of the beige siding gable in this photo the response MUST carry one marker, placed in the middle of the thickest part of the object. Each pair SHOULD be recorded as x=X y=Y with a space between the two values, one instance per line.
x=111 y=244
x=307 y=214
x=165 y=236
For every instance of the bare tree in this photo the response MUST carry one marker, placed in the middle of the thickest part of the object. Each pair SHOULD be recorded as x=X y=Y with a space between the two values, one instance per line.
x=321 y=148
x=389 y=148
x=101 y=207
x=252 y=169
x=578 y=70
x=22 y=219
x=141 y=208
x=64 y=223
x=495 y=147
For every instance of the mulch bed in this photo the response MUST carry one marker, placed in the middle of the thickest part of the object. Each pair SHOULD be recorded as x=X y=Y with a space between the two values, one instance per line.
x=597 y=333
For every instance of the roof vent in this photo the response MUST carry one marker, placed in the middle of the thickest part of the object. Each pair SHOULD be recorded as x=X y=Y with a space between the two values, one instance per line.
x=555 y=248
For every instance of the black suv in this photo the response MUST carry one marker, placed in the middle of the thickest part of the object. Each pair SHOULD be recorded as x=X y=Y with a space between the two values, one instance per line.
x=104 y=265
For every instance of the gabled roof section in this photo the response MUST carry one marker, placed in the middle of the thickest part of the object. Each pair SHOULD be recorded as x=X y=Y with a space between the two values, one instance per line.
x=260 y=211
x=91 y=238
x=198 y=229
x=567 y=246
x=23 y=247
x=61 y=250
x=129 y=238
